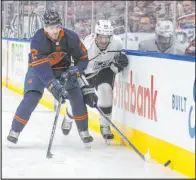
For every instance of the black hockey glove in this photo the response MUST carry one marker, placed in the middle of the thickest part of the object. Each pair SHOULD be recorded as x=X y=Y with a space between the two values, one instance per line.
x=90 y=98
x=121 y=61
x=58 y=91
x=69 y=78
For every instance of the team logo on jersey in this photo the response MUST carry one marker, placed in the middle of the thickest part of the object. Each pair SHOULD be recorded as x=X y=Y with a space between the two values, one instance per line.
x=56 y=57
x=101 y=65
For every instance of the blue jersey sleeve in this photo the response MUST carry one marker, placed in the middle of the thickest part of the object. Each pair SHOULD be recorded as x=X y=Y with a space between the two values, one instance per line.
x=79 y=54
x=40 y=62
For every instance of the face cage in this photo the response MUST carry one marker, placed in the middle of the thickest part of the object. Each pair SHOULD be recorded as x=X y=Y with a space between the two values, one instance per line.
x=164 y=40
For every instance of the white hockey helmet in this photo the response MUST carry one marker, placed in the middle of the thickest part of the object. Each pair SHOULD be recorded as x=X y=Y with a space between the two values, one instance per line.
x=164 y=31
x=104 y=27
x=164 y=28
x=103 y=34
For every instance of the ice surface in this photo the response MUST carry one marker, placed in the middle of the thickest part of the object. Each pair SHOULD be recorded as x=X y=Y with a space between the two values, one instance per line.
x=71 y=159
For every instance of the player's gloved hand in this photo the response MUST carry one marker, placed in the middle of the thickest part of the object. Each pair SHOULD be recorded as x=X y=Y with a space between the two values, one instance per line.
x=121 y=61
x=69 y=78
x=90 y=98
x=58 y=91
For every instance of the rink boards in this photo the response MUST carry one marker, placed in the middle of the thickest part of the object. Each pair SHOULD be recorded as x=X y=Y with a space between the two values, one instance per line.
x=154 y=102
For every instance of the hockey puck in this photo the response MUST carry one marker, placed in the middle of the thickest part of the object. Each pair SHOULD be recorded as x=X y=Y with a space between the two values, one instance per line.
x=167 y=163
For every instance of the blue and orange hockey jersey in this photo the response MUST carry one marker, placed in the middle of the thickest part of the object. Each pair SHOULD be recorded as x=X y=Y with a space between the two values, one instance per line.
x=47 y=56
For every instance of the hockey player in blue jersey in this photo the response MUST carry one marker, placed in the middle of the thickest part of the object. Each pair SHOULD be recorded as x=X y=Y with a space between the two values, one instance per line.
x=49 y=63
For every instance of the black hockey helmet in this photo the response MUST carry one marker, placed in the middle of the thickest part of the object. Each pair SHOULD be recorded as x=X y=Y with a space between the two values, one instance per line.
x=51 y=17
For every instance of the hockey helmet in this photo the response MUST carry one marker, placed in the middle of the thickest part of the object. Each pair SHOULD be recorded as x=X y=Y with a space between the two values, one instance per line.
x=164 y=31
x=104 y=27
x=103 y=33
x=51 y=17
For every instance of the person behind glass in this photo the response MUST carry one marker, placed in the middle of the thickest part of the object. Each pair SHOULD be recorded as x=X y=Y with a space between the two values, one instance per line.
x=164 y=40
x=190 y=50
x=145 y=24
x=188 y=7
x=133 y=20
x=49 y=66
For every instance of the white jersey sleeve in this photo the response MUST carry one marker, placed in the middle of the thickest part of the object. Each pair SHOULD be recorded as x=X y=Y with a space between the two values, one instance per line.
x=99 y=60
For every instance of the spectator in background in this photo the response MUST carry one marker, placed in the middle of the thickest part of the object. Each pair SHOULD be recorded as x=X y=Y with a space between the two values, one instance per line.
x=133 y=21
x=153 y=21
x=145 y=24
x=190 y=50
x=188 y=7
x=164 y=41
x=187 y=19
x=178 y=9
x=141 y=4
x=81 y=28
x=146 y=7
x=160 y=10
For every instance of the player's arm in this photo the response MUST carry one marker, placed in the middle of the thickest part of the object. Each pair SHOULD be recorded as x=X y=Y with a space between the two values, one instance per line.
x=40 y=63
x=42 y=68
x=80 y=55
x=120 y=59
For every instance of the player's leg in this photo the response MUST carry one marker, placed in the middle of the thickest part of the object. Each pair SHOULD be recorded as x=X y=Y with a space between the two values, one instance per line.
x=80 y=114
x=33 y=90
x=104 y=86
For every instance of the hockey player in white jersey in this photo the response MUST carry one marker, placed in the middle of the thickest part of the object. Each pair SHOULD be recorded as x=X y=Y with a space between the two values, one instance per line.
x=164 y=40
x=105 y=60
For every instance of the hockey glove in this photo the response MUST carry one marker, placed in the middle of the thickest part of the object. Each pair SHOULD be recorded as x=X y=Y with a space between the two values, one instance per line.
x=121 y=61
x=58 y=91
x=69 y=78
x=90 y=98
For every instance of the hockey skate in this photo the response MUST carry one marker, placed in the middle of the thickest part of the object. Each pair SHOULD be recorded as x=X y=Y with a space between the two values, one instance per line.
x=86 y=138
x=12 y=138
x=107 y=134
x=66 y=125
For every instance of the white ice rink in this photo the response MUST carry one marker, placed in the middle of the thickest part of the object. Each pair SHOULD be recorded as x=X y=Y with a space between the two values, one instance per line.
x=71 y=159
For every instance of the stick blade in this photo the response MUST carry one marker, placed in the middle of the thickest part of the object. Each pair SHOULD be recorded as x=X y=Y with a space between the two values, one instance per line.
x=147 y=155
x=49 y=155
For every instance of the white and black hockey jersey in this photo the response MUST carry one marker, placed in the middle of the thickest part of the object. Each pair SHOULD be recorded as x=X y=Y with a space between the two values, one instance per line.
x=151 y=46
x=99 y=60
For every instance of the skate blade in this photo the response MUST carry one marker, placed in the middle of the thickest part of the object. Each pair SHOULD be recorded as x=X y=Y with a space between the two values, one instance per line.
x=87 y=145
x=108 y=141
x=11 y=145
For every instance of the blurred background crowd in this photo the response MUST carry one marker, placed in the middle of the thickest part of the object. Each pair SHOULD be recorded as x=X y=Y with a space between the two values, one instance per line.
x=133 y=21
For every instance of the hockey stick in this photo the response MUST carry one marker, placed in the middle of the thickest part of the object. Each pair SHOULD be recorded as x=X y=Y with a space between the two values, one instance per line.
x=49 y=154
x=144 y=157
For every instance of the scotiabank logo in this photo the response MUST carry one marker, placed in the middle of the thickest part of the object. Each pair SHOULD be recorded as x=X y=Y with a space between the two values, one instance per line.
x=136 y=98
